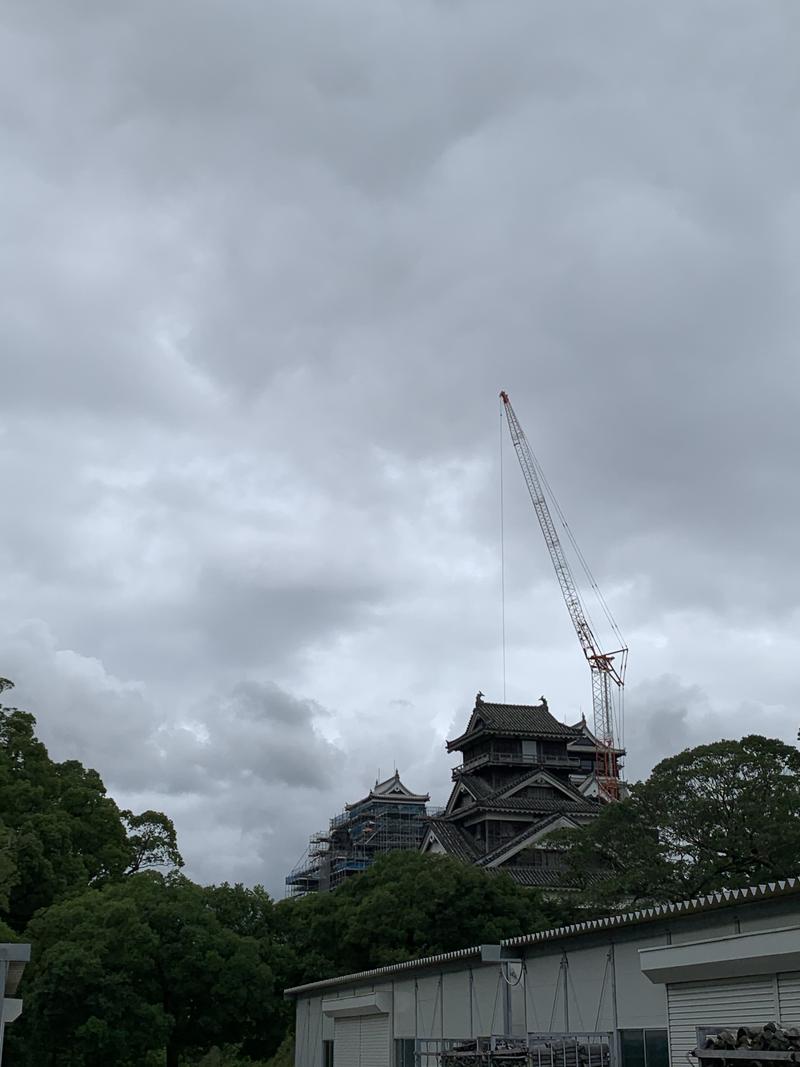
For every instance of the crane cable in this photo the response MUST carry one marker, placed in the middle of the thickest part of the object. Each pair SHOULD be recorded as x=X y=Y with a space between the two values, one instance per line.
x=580 y=556
x=502 y=557
x=618 y=712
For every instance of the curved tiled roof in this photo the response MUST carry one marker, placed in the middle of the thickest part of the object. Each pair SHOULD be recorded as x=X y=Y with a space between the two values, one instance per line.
x=721 y=899
x=515 y=720
x=454 y=839
x=511 y=805
x=543 y=877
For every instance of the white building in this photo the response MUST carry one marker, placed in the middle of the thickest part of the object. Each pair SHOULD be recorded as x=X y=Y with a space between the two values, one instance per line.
x=652 y=980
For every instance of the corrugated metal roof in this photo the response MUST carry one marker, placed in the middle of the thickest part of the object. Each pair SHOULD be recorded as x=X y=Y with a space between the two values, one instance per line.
x=711 y=902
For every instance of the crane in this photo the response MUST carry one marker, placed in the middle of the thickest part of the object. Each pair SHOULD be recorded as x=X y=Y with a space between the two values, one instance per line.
x=607 y=668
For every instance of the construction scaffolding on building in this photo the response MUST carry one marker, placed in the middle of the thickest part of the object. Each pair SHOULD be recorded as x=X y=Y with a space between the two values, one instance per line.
x=389 y=818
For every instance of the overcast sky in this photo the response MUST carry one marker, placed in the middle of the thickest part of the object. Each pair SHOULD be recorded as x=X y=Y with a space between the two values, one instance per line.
x=266 y=266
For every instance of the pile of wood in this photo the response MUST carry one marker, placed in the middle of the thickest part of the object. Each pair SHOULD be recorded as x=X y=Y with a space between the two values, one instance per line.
x=517 y=1052
x=570 y=1054
x=769 y=1038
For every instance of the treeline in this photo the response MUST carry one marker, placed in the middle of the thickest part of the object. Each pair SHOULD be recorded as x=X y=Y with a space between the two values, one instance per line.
x=712 y=817
x=134 y=964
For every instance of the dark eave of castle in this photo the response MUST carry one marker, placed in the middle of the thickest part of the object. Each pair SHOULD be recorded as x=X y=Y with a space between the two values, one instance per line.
x=455 y=841
x=525 y=721
x=543 y=877
x=526 y=835
x=528 y=806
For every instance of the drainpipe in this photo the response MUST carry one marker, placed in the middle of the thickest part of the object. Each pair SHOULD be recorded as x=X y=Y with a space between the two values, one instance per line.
x=565 y=976
x=471 y=998
x=616 y=1049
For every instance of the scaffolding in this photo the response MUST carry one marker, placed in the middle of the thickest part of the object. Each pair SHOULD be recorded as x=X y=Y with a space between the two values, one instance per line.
x=354 y=837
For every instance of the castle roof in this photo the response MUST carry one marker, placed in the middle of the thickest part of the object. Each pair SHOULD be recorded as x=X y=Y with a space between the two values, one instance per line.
x=391 y=789
x=514 y=720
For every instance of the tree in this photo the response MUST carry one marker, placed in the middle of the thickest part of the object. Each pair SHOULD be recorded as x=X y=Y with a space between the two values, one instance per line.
x=59 y=830
x=139 y=967
x=152 y=841
x=405 y=906
x=717 y=816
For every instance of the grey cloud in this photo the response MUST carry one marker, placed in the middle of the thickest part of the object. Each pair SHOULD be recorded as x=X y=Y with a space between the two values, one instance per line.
x=265 y=271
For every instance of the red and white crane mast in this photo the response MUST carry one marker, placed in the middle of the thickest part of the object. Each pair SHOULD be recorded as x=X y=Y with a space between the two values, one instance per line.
x=607 y=676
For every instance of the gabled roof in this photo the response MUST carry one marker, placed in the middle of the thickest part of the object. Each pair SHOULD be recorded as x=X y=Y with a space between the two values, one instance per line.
x=535 y=777
x=514 y=720
x=391 y=789
x=454 y=840
x=474 y=787
x=585 y=739
x=527 y=836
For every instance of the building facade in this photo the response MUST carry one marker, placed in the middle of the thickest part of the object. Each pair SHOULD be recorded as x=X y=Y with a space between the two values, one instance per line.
x=390 y=817
x=653 y=982
x=523 y=775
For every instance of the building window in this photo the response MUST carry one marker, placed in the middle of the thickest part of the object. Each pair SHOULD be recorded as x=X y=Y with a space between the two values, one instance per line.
x=644 y=1048
x=327 y=1054
x=404 y=1052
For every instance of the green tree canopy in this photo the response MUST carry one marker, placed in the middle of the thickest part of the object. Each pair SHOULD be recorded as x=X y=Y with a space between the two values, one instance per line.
x=152 y=841
x=405 y=906
x=716 y=816
x=59 y=831
x=143 y=966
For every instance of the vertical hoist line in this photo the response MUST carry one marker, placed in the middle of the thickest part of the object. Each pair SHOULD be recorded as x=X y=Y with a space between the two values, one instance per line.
x=502 y=556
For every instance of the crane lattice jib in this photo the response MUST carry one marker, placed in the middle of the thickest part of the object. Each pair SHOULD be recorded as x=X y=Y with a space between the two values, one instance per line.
x=601 y=663
x=554 y=547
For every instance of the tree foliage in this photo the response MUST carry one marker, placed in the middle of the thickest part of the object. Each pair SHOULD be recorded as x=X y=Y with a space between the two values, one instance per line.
x=152 y=841
x=59 y=830
x=141 y=966
x=405 y=906
x=717 y=816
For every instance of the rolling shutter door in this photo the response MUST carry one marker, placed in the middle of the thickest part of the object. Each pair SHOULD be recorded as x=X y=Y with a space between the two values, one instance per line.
x=346 y=1042
x=361 y=1041
x=374 y=1041
x=730 y=1002
x=789 y=994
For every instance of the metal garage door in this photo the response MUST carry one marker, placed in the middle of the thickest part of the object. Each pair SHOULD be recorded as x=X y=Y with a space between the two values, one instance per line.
x=789 y=994
x=361 y=1041
x=374 y=1041
x=722 y=1001
x=347 y=1042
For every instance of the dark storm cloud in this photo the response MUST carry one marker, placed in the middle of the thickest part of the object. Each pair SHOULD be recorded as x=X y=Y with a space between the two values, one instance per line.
x=264 y=273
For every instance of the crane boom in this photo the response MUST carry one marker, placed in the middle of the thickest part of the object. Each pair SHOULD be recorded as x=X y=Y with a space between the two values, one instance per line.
x=604 y=672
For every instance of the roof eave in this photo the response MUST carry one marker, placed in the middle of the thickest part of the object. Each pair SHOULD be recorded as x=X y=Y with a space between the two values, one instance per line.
x=711 y=902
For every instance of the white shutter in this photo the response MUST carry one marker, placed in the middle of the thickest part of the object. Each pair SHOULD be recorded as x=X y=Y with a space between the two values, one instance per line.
x=361 y=1041
x=347 y=1042
x=374 y=1041
x=789 y=995
x=730 y=1002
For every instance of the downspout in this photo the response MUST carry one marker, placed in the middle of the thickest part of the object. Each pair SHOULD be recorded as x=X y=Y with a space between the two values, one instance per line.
x=565 y=976
x=617 y=1044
